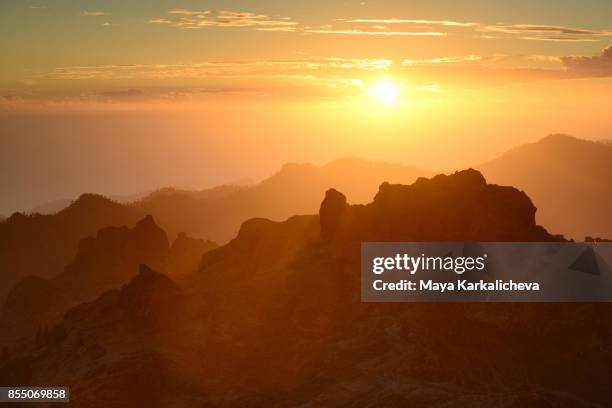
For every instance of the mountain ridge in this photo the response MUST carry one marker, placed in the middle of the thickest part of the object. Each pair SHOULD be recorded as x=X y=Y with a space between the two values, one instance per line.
x=282 y=298
x=570 y=179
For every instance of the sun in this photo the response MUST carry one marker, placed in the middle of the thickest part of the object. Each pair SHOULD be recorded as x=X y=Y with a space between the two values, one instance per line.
x=385 y=91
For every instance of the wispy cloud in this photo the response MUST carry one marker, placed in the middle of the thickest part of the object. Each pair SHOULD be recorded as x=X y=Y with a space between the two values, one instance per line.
x=536 y=32
x=225 y=18
x=390 y=27
x=442 y=60
x=559 y=39
x=376 y=32
x=544 y=58
x=93 y=13
x=380 y=27
x=216 y=69
x=446 y=23
x=283 y=28
x=186 y=12
x=335 y=77
x=531 y=28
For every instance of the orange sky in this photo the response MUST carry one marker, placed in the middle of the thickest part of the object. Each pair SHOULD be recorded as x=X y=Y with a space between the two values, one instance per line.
x=243 y=87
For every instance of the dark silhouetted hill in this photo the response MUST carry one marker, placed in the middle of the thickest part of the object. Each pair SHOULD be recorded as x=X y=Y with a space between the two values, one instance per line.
x=43 y=245
x=55 y=206
x=569 y=179
x=274 y=318
x=103 y=262
x=295 y=189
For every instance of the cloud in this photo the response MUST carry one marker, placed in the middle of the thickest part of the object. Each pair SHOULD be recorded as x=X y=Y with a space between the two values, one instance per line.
x=595 y=66
x=93 y=13
x=373 y=32
x=382 y=27
x=200 y=19
x=311 y=76
x=531 y=28
x=535 y=32
x=558 y=39
x=442 y=60
x=216 y=69
x=160 y=21
x=186 y=12
x=446 y=23
x=544 y=58
x=425 y=27
x=284 y=28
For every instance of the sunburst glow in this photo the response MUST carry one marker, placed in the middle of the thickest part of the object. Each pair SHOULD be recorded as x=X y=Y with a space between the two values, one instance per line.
x=385 y=91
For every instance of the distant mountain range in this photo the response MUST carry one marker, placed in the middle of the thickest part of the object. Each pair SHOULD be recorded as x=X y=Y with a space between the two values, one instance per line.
x=274 y=318
x=295 y=189
x=43 y=245
x=568 y=179
x=562 y=174
x=217 y=213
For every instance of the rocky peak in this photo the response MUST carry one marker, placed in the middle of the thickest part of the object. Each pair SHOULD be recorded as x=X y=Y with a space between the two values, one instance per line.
x=145 y=242
x=332 y=208
x=460 y=206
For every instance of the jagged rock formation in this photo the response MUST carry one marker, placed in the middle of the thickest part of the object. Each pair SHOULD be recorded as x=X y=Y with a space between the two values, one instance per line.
x=569 y=179
x=185 y=255
x=274 y=318
x=458 y=207
x=103 y=262
x=43 y=245
x=295 y=189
